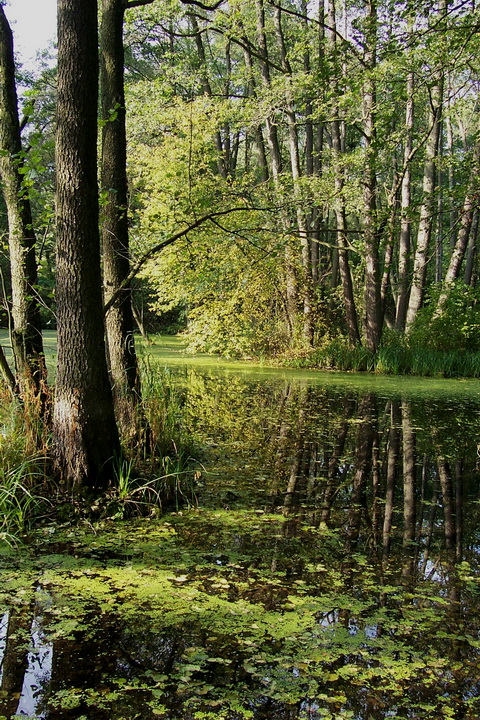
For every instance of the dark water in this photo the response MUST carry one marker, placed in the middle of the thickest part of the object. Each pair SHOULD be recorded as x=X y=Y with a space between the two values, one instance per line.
x=330 y=568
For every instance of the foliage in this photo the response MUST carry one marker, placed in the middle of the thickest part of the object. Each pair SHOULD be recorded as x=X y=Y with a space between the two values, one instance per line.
x=457 y=328
x=395 y=356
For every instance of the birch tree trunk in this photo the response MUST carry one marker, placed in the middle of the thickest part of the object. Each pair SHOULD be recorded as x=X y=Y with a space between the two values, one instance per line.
x=340 y=213
x=405 y=203
x=427 y=208
x=465 y=222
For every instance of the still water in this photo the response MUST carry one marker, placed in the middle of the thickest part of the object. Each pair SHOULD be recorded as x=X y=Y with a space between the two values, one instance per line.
x=328 y=567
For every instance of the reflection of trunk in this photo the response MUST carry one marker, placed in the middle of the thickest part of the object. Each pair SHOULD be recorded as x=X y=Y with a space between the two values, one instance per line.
x=366 y=435
x=84 y=661
x=430 y=526
x=392 y=463
x=458 y=510
x=332 y=485
x=15 y=659
x=333 y=481
x=409 y=489
x=296 y=454
x=446 y=485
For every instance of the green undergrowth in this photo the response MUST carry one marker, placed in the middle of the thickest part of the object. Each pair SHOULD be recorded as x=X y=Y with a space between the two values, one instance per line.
x=150 y=477
x=231 y=615
x=392 y=359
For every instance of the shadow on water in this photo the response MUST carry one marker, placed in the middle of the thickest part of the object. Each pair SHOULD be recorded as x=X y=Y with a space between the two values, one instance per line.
x=330 y=570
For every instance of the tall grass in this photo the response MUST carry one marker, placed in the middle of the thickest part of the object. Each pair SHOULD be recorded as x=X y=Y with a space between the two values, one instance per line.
x=165 y=473
x=20 y=499
x=393 y=358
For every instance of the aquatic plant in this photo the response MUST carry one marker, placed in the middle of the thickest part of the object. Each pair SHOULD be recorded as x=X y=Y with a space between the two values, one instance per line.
x=173 y=485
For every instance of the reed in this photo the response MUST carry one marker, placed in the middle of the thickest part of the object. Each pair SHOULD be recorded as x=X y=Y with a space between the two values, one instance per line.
x=393 y=358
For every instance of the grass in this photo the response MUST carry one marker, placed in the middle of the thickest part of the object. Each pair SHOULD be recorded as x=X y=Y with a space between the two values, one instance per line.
x=150 y=478
x=20 y=498
x=393 y=359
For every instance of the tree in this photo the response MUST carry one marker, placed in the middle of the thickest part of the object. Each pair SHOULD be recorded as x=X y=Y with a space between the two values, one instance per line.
x=85 y=435
x=26 y=335
x=122 y=358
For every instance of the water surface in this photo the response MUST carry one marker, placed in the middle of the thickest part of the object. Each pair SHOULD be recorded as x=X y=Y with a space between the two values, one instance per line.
x=329 y=568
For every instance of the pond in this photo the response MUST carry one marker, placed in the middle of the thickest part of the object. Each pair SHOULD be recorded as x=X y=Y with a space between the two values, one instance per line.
x=328 y=568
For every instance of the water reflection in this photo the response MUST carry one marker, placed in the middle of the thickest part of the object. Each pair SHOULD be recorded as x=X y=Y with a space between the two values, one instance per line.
x=330 y=572
x=392 y=474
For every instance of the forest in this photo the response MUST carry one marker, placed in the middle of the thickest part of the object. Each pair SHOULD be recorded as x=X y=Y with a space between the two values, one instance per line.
x=234 y=236
x=300 y=177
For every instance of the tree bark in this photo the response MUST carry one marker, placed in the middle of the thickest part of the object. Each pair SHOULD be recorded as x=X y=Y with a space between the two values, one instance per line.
x=405 y=223
x=122 y=358
x=340 y=213
x=426 y=211
x=461 y=244
x=302 y=222
x=85 y=435
x=27 y=334
x=372 y=310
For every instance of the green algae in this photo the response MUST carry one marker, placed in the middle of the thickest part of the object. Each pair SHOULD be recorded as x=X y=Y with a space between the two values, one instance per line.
x=243 y=635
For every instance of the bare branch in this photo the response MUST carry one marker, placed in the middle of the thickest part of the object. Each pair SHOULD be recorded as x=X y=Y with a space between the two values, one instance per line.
x=202 y=5
x=136 y=3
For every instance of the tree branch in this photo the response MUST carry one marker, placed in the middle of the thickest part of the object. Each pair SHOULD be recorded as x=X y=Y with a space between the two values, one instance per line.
x=202 y=5
x=163 y=244
x=127 y=4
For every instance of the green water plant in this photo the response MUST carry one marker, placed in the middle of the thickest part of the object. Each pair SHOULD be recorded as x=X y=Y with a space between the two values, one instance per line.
x=20 y=501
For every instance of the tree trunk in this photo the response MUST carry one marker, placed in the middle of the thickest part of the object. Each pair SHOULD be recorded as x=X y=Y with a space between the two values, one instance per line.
x=259 y=142
x=222 y=162
x=119 y=320
x=340 y=213
x=426 y=211
x=276 y=163
x=302 y=223
x=27 y=334
x=466 y=219
x=85 y=435
x=372 y=314
x=468 y=276
x=405 y=223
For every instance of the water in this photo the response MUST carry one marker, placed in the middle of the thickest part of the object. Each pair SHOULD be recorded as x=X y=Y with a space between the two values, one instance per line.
x=329 y=570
